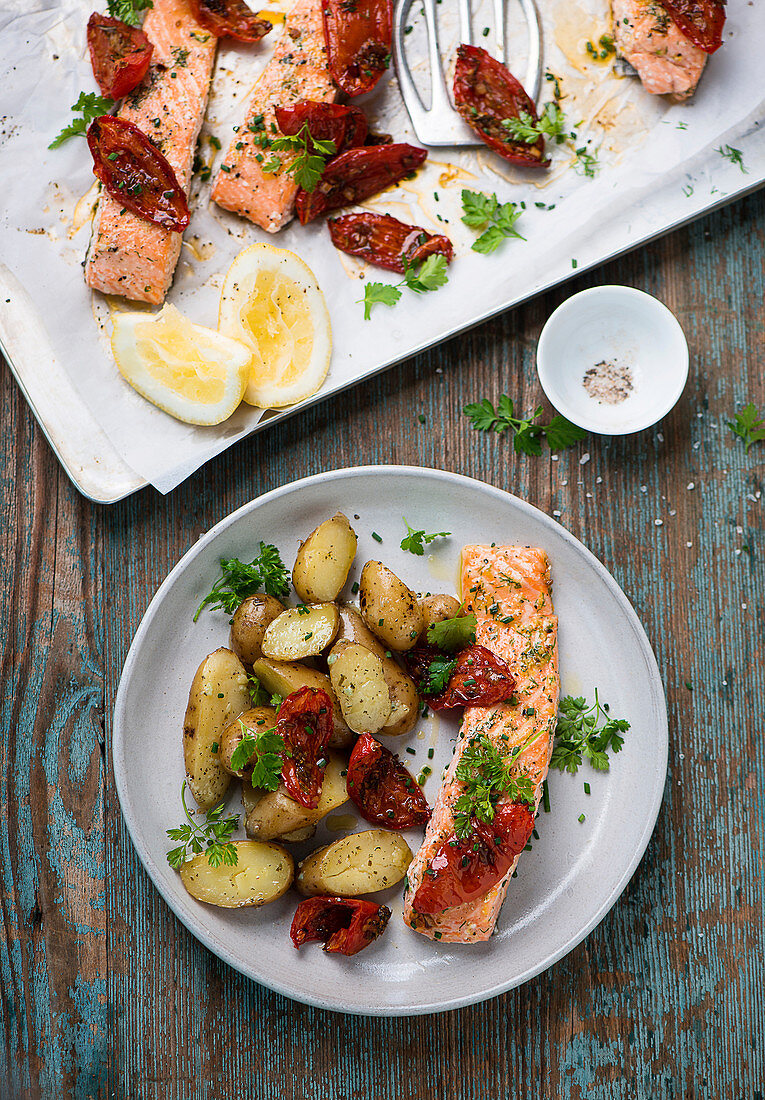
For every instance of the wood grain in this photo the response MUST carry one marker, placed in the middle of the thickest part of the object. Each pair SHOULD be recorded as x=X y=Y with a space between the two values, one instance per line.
x=105 y=994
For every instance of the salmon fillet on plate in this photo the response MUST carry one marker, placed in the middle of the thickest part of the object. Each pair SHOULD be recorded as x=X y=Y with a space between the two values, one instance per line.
x=508 y=588
x=647 y=37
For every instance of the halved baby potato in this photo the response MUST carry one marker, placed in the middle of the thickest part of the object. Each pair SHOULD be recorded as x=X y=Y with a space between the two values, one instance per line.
x=263 y=872
x=301 y=632
x=276 y=815
x=284 y=677
x=359 y=681
x=404 y=699
x=249 y=624
x=324 y=560
x=357 y=864
x=256 y=720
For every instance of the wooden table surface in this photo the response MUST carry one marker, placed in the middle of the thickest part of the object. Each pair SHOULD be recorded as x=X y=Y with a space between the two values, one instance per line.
x=105 y=994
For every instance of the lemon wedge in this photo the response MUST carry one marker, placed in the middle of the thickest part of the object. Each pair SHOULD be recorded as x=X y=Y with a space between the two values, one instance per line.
x=196 y=374
x=271 y=302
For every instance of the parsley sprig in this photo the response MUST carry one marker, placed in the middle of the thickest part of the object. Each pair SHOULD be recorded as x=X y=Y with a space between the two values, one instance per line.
x=498 y=218
x=213 y=837
x=267 y=572
x=129 y=11
x=749 y=425
x=415 y=541
x=437 y=676
x=551 y=123
x=527 y=433
x=488 y=775
x=264 y=749
x=430 y=275
x=586 y=732
x=90 y=105
x=452 y=634
x=260 y=696
x=307 y=165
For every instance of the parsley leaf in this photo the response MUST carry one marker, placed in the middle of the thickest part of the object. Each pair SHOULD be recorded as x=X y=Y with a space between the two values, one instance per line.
x=415 y=541
x=487 y=775
x=452 y=634
x=561 y=433
x=379 y=294
x=213 y=837
x=92 y=106
x=579 y=735
x=128 y=10
x=527 y=433
x=307 y=165
x=486 y=210
x=749 y=425
x=266 y=572
x=266 y=747
x=733 y=155
x=437 y=676
x=430 y=275
x=551 y=123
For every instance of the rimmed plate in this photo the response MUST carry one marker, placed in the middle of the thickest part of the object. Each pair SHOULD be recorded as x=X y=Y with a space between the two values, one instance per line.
x=576 y=870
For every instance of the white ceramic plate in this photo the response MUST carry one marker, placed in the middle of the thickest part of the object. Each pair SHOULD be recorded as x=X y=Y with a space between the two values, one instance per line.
x=576 y=871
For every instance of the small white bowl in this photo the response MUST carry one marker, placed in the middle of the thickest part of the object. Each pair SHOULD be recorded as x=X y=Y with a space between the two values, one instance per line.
x=620 y=328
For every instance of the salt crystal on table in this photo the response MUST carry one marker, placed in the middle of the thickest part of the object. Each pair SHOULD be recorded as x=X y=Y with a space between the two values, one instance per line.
x=659 y=522
x=585 y=458
x=691 y=485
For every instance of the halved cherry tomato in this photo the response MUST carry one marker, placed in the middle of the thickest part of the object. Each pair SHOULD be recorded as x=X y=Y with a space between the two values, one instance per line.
x=463 y=870
x=120 y=55
x=700 y=20
x=385 y=241
x=135 y=173
x=338 y=122
x=486 y=93
x=358 y=34
x=230 y=19
x=479 y=678
x=355 y=175
x=305 y=722
x=382 y=789
x=344 y=925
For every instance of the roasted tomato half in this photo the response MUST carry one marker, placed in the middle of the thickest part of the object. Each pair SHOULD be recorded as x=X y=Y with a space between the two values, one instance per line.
x=120 y=55
x=338 y=122
x=135 y=173
x=358 y=34
x=700 y=20
x=305 y=722
x=385 y=241
x=463 y=870
x=230 y=19
x=355 y=175
x=485 y=94
x=479 y=677
x=382 y=789
x=344 y=925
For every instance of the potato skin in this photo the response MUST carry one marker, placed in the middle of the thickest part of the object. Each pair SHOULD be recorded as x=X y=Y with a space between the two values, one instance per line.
x=388 y=607
x=361 y=863
x=218 y=695
x=437 y=607
x=276 y=815
x=263 y=873
x=251 y=619
x=405 y=700
x=284 y=677
x=360 y=686
x=301 y=632
x=258 y=719
x=324 y=560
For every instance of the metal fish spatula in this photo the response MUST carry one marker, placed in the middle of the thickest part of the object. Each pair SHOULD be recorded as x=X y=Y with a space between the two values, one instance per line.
x=439 y=124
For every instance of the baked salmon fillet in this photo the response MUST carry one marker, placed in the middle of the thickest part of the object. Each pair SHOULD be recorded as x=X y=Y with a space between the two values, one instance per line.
x=508 y=588
x=647 y=37
x=129 y=255
x=298 y=70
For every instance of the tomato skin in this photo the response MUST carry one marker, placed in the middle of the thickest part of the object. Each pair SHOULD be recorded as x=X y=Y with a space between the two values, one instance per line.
x=338 y=122
x=305 y=722
x=485 y=93
x=358 y=34
x=382 y=789
x=120 y=55
x=383 y=240
x=479 y=678
x=700 y=20
x=355 y=175
x=344 y=925
x=138 y=177
x=230 y=19
x=464 y=870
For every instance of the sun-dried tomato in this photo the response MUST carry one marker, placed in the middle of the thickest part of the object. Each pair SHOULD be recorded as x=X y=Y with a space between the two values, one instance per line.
x=700 y=20
x=382 y=789
x=385 y=241
x=230 y=19
x=479 y=678
x=120 y=55
x=358 y=34
x=344 y=925
x=305 y=722
x=355 y=175
x=341 y=123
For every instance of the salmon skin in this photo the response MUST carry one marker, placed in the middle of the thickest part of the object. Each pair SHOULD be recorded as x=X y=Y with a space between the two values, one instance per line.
x=297 y=71
x=508 y=589
x=128 y=255
x=647 y=37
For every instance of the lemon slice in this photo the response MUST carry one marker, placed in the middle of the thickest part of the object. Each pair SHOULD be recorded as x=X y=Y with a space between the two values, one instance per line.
x=272 y=303
x=196 y=374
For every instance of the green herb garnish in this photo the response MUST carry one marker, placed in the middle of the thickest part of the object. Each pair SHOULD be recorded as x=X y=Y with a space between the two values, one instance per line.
x=91 y=106
x=267 y=572
x=430 y=275
x=415 y=541
x=488 y=775
x=437 y=676
x=527 y=433
x=213 y=838
x=453 y=634
x=307 y=165
x=551 y=123
x=497 y=218
x=264 y=749
x=733 y=155
x=585 y=732
x=129 y=11
x=749 y=425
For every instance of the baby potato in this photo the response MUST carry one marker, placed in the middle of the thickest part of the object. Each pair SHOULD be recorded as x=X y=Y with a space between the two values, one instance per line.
x=284 y=677
x=276 y=815
x=357 y=864
x=436 y=608
x=388 y=607
x=251 y=618
x=256 y=720
x=218 y=695
x=301 y=632
x=359 y=682
x=405 y=702
x=324 y=560
x=263 y=872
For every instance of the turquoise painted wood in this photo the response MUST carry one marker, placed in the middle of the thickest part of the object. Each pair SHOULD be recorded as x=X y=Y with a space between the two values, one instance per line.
x=104 y=994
